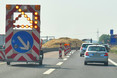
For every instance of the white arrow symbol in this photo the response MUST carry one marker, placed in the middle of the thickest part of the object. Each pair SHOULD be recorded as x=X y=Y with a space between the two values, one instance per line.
x=26 y=47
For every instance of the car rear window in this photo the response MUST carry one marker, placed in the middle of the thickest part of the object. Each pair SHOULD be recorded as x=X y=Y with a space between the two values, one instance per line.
x=85 y=45
x=96 y=48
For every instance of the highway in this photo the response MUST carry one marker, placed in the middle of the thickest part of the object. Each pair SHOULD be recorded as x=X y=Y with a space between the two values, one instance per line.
x=71 y=66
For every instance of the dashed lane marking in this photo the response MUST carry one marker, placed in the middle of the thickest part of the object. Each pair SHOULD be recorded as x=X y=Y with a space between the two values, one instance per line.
x=65 y=59
x=70 y=54
x=60 y=63
x=112 y=62
x=67 y=56
x=49 y=71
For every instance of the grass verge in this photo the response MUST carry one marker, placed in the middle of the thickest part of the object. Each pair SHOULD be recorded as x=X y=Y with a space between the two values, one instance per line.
x=113 y=49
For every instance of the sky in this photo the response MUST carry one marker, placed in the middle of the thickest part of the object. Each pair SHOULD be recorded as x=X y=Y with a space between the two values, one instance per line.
x=78 y=19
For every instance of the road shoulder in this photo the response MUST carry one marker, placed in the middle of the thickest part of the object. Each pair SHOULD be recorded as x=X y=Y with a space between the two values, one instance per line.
x=113 y=56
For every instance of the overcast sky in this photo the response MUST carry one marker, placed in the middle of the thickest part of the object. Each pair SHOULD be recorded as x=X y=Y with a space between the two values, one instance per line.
x=71 y=18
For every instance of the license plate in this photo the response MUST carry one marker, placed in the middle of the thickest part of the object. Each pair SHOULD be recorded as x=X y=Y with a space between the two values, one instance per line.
x=97 y=54
x=102 y=55
x=90 y=54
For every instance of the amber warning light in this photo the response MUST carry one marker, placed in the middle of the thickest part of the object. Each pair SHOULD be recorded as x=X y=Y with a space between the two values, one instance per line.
x=35 y=22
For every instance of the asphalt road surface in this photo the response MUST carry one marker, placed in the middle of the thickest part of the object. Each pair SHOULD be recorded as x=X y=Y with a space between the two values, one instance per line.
x=71 y=66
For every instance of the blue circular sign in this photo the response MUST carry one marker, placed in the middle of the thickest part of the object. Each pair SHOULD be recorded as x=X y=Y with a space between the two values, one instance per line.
x=22 y=42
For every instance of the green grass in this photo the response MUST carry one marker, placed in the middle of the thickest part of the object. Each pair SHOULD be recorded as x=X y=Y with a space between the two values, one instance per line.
x=113 y=50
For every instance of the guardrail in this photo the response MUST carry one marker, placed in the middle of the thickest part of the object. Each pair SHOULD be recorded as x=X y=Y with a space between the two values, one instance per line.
x=44 y=50
x=56 y=49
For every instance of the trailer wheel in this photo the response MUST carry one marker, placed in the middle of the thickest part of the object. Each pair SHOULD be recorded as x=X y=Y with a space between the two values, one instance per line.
x=40 y=63
x=41 y=53
x=8 y=63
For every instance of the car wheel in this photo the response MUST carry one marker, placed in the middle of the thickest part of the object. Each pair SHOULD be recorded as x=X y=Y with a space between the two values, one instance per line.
x=40 y=62
x=106 y=63
x=85 y=63
x=8 y=63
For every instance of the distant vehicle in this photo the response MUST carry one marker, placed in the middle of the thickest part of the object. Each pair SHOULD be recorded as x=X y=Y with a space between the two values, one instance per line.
x=107 y=47
x=96 y=54
x=83 y=48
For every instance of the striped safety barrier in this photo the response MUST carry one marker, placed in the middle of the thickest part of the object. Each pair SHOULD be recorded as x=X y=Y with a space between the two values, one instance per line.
x=2 y=55
x=67 y=49
x=60 y=51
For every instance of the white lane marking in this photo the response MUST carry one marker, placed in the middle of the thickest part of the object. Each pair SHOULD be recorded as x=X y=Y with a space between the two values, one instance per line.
x=2 y=63
x=49 y=71
x=60 y=63
x=70 y=54
x=67 y=56
x=65 y=59
x=112 y=62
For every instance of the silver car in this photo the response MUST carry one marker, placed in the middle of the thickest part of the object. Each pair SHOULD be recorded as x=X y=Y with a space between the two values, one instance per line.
x=96 y=54
x=83 y=48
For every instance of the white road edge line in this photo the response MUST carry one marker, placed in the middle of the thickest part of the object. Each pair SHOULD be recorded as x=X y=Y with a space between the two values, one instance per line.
x=112 y=62
x=49 y=71
x=65 y=59
x=60 y=63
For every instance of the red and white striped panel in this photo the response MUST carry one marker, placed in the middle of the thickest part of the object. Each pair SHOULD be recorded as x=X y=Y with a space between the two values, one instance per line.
x=2 y=55
x=67 y=49
x=9 y=54
x=9 y=30
x=35 y=34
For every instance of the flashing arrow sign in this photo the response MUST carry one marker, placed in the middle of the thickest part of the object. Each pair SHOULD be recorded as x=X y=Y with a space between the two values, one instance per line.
x=22 y=41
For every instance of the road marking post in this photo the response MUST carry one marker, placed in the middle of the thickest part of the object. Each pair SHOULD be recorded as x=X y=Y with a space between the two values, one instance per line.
x=60 y=51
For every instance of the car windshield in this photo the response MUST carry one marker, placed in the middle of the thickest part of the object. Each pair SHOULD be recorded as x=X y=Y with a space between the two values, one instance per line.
x=85 y=45
x=96 y=48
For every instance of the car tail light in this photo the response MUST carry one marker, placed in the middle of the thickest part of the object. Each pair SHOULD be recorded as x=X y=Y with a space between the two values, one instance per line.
x=81 y=48
x=106 y=54
x=86 y=54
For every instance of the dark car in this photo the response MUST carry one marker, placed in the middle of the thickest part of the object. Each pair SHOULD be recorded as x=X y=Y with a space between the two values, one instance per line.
x=107 y=47
x=83 y=48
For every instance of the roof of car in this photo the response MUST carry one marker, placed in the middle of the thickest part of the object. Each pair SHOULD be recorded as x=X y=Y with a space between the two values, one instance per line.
x=87 y=43
x=97 y=45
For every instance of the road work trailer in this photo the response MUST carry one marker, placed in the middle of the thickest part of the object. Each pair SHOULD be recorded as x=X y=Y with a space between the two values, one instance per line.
x=22 y=42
